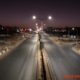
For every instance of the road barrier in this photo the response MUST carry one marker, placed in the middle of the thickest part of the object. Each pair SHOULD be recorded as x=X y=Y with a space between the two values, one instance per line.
x=44 y=72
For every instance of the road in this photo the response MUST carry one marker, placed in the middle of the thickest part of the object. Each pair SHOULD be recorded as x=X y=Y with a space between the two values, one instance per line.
x=21 y=62
x=63 y=61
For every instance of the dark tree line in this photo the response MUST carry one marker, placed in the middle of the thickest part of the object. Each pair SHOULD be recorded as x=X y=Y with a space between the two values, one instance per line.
x=9 y=30
x=63 y=31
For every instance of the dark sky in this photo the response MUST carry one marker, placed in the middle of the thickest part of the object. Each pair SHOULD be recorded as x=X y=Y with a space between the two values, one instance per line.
x=16 y=12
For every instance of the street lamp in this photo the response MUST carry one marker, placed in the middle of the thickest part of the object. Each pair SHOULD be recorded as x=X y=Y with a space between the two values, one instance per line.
x=34 y=17
x=30 y=29
x=50 y=17
x=73 y=28
x=40 y=20
x=36 y=24
x=73 y=36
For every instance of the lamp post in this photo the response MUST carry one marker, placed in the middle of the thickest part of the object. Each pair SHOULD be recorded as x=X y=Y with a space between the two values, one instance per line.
x=49 y=17
x=41 y=21
x=73 y=36
x=34 y=17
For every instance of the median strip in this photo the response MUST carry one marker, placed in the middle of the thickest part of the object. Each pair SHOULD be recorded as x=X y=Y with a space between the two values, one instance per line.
x=43 y=69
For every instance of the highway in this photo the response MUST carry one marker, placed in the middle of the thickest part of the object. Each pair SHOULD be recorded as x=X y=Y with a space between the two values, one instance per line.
x=21 y=63
x=63 y=61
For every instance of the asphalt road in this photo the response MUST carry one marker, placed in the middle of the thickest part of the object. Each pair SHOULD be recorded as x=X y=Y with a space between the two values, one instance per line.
x=63 y=61
x=21 y=63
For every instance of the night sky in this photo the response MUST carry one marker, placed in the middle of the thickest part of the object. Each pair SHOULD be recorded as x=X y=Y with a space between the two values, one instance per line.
x=16 y=12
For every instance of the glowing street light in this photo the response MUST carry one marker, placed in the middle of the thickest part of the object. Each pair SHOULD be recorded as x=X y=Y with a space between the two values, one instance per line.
x=30 y=30
x=73 y=28
x=50 y=17
x=34 y=17
x=42 y=25
x=36 y=24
